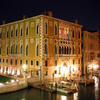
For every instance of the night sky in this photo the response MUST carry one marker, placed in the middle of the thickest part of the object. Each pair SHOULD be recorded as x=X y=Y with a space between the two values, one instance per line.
x=86 y=11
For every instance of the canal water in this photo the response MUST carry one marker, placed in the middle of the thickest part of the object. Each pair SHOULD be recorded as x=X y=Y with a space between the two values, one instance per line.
x=85 y=93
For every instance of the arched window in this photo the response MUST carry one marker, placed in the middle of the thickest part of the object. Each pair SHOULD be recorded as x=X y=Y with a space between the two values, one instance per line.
x=62 y=50
x=46 y=28
x=11 y=49
x=21 y=32
x=37 y=29
x=46 y=49
x=7 y=50
x=55 y=29
x=37 y=50
x=27 y=31
x=73 y=50
x=59 y=50
x=67 y=50
x=73 y=33
x=27 y=50
x=55 y=49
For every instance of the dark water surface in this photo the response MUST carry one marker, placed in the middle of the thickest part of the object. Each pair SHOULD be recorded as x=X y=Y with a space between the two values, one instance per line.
x=85 y=93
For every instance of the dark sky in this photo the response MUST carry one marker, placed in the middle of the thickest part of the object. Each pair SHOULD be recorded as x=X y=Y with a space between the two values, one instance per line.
x=86 y=11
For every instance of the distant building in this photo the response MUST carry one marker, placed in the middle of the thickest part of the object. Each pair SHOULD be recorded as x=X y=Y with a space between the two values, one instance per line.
x=42 y=47
x=90 y=51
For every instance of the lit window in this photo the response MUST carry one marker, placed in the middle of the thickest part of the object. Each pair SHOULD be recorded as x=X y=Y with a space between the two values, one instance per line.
x=27 y=50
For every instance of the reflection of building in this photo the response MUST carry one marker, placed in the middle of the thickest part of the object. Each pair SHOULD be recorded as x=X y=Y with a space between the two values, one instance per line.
x=90 y=49
x=43 y=43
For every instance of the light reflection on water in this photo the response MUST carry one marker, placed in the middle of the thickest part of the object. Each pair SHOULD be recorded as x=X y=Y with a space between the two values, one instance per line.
x=85 y=93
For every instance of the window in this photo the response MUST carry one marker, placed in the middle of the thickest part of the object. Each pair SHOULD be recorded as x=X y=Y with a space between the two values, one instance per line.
x=20 y=62
x=0 y=35
x=46 y=51
x=79 y=50
x=31 y=62
x=7 y=34
x=26 y=62
x=0 y=50
x=7 y=51
x=55 y=29
x=79 y=34
x=68 y=36
x=73 y=33
x=11 y=61
x=37 y=63
x=59 y=50
x=37 y=50
x=21 y=32
x=55 y=62
x=62 y=50
x=26 y=31
x=37 y=73
x=46 y=28
x=12 y=33
x=46 y=63
x=7 y=61
x=79 y=61
x=3 y=60
x=0 y=60
x=27 y=50
x=21 y=49
x=73 y=61
x=16 y=49
x=55 y=49
x=73 y=50
x=37 y=29
x=46 y=73
x=15 y=62
x=67 y=50
x=11 y=49
x=16 y=32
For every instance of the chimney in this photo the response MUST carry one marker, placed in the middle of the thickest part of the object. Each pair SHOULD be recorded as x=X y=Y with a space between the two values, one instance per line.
x=3 y=22
x=76 y=21
x=50 y=13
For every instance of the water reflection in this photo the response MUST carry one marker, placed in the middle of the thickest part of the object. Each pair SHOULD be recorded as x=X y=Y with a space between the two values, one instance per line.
x=85 y=93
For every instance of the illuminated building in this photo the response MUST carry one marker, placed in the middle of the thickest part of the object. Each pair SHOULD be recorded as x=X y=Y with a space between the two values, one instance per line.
x=45 y=44
x=91 y=51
